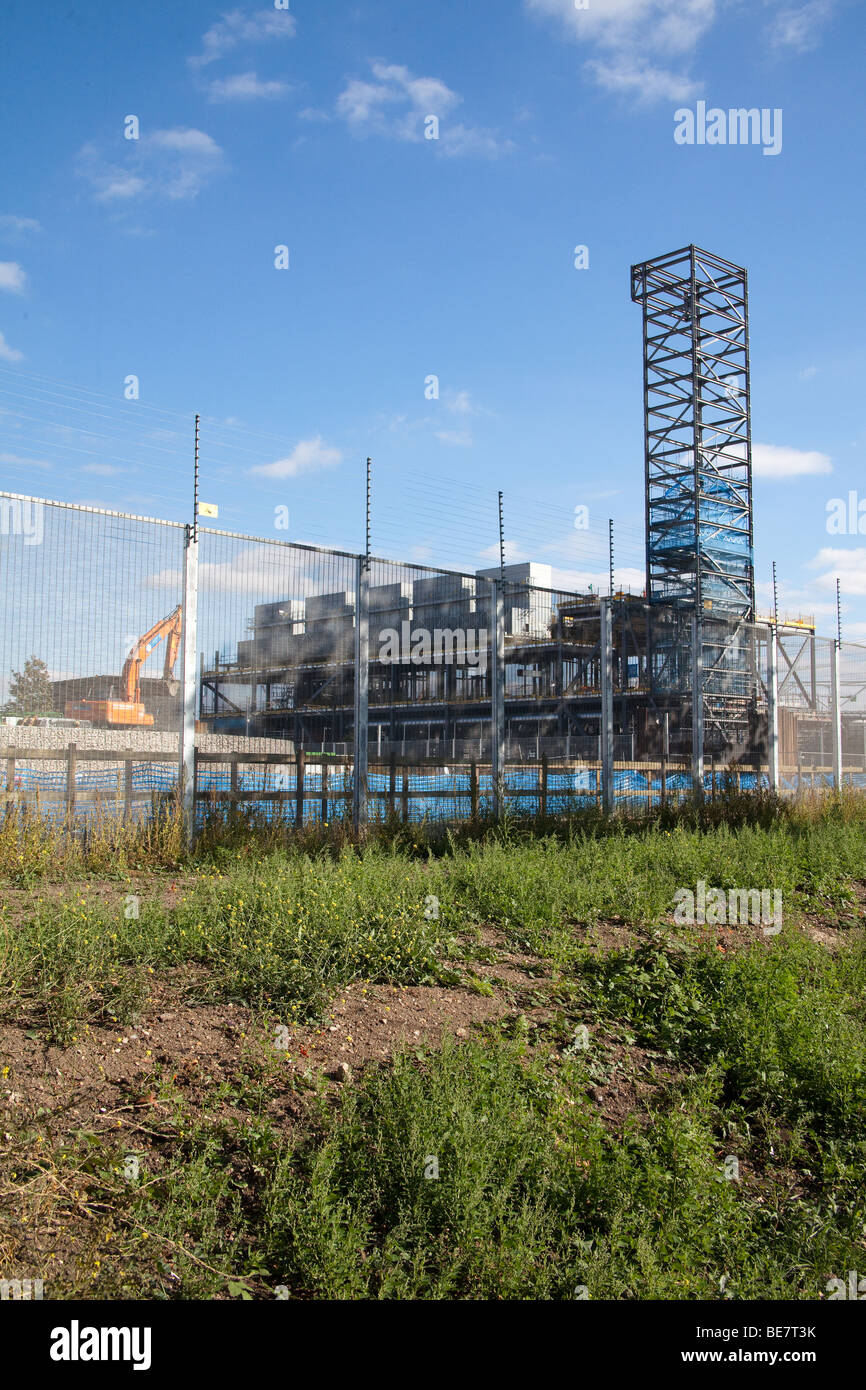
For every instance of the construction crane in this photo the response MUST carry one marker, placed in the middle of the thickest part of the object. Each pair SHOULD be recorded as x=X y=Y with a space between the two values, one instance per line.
x=128 y=708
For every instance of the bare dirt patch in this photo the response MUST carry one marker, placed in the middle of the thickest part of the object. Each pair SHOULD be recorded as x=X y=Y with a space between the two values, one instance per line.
x=111 y=1072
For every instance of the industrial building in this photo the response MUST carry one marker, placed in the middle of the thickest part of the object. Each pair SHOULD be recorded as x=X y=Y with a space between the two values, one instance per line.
x=433 y=635
x=294 y=675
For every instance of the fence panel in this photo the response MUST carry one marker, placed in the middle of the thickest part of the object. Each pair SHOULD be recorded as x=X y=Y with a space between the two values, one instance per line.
x=89 y=682
x=431 y=651
x=805 y=710
x=276 y=626
x=88 y=650
x=852 y=690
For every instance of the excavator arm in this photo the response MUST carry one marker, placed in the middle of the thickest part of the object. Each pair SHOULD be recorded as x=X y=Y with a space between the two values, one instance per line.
x=130 y=676
x=172 y=646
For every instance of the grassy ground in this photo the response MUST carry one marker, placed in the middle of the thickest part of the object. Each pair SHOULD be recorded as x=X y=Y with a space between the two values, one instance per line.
x=485 y=1066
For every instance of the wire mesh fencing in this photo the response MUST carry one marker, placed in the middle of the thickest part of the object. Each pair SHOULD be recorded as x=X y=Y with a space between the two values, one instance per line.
x=431 y=745
x=89 y=652
x=318 y=686
x=852 y=690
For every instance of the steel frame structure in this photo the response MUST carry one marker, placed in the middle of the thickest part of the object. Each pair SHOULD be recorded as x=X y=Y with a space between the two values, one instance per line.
x=698 y=456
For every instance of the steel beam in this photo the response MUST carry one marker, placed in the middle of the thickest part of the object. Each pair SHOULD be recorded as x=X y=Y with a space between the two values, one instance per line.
x=773 y=709
x=189 y=664
x=606 y=643
x=497 y=702
x=362 y=688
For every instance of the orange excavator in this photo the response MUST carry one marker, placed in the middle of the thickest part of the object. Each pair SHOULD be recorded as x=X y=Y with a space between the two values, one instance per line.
x=128 y=709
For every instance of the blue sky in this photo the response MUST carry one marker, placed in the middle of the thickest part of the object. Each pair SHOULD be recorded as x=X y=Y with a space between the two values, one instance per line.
x=412 y=257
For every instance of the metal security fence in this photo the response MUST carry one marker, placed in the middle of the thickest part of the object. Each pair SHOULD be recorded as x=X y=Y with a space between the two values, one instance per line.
x=91 y=615
x=142 y=660
x=275 y=639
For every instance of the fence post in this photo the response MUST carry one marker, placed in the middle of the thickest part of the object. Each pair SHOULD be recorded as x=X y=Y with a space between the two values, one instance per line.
x=128 y=769
x=543 y=784
x=837 y=717
x=606 y=644
x=189 y=644
x=71 y=760
x=300 y=769
x=10 y=782
x=473 y=789
x=697 y=708
x=497 y=702
x=362 y=690
x=324 y=792
x=392 y=782
x=772 y=710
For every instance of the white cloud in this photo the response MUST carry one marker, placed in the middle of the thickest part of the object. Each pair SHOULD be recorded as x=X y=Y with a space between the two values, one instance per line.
x=459 y=439
x=307 y=456
x=12 y=277
x=363 y=104
x=236 y=28
x=772 y=461
x=175 y=163
x=800 y=27
x=460 y=404
x=572 y=580
x=578 y=581
x=27 y=462
x=116 y=184
x=632 y=34
x=635 y=40
x=254 y=570
x=628 y=76
x=514 y=555
x=397 y=104
x=807 y=373
x=456 y=140
x=666 y=26
x=188 y=141
x=7 y=353
x=847 y=565
x=102 y=470
x=245 y=86
x=19 y=224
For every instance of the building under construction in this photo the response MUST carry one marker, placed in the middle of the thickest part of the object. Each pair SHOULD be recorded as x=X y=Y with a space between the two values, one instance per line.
x=694 y=629
x=294 y=675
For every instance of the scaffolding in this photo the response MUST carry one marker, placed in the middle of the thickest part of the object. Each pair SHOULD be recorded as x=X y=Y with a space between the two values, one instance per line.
x=698 y=478
x=697 y=431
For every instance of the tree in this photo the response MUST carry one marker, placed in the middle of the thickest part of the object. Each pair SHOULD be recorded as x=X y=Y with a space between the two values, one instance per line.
x=30 y=690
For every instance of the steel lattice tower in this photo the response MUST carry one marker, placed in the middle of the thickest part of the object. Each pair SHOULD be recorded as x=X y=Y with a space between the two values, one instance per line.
x=699 y=483
x=697 y=432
